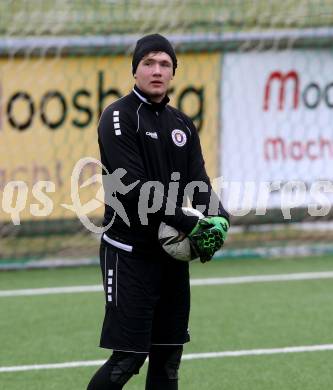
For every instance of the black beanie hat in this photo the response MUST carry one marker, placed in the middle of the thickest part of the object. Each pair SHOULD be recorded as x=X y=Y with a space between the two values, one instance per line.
x=152 y=42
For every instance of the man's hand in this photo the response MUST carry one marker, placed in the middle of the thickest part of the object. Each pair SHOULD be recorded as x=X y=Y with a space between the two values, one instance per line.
x=221 y=224
x=208 y=236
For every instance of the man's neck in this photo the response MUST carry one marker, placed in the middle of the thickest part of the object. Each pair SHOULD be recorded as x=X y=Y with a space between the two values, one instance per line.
x=155 y=101
x=152 y=98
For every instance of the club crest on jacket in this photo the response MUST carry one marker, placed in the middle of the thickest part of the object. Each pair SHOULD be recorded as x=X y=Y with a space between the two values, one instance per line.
x=179 y=137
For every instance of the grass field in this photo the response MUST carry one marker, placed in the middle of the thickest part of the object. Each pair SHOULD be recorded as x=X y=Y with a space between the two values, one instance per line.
x=64 y=327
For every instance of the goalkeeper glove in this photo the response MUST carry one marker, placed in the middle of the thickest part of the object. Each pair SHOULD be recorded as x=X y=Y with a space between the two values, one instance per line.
x=221 y=224
x=208 y=236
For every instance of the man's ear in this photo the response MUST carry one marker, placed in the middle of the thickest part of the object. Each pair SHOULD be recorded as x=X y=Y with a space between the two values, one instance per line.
x=134 y=75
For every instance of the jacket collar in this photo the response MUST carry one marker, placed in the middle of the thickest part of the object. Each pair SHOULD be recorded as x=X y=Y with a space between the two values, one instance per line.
x=145 y=99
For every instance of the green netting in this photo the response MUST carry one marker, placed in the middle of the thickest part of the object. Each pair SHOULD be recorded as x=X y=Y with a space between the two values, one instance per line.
x=63 y=17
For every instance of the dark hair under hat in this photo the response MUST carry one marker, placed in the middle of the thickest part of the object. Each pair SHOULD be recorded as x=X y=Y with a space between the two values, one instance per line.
x=152 y=42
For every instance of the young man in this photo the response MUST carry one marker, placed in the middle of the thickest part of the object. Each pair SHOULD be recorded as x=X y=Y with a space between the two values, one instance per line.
x=147 y=292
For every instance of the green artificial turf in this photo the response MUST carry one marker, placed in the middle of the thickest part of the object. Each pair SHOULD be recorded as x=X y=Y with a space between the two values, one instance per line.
x=65 y=327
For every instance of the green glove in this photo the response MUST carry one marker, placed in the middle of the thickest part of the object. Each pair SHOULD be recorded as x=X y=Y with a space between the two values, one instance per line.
x=208 y=236
x=221 y=224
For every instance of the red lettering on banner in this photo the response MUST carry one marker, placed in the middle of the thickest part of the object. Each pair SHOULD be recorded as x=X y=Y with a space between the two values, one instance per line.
x=296 y=150
x=310 y=155
x=277 y=145
x=328 y=144
x=282 y=78
x=278 y=148
x=33 y=173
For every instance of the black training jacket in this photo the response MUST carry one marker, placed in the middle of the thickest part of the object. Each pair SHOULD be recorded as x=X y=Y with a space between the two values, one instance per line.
x=150 y=141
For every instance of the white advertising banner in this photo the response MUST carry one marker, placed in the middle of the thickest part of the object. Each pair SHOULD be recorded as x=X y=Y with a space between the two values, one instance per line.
x=277 y=127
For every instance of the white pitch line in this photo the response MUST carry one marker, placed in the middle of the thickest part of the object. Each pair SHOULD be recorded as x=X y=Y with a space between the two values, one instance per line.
x=263 y=278
x=190 y=356
x=51 y=290
x=194 y=282
x=258 y=352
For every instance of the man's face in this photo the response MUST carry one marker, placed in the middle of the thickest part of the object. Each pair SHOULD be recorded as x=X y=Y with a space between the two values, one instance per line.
x=154 y=74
